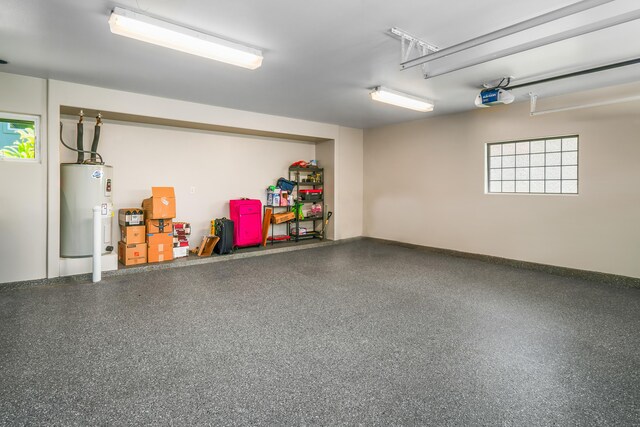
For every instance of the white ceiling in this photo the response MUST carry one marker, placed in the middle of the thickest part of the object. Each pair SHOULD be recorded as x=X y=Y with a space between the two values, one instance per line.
x=320 y=58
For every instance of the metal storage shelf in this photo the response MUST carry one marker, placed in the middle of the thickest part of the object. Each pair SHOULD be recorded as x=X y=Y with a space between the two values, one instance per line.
x=294 y=175
x=273 y=208
x=308 y=235
x=310 y=201
x=307 y=169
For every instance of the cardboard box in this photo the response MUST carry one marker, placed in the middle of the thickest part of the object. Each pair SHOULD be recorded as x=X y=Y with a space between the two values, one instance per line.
x=133 y=234
x=160 y=239
x=131 y=216
x=159 y=253
x=161 y=204
x=184 y=226
x=282 y=217
x=159 y=226
x=132 y=254
x=180 y=252
x=179 y=243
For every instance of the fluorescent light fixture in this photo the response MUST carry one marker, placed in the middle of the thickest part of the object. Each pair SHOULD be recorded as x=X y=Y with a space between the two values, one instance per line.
x=400 y=99
x=141 y=27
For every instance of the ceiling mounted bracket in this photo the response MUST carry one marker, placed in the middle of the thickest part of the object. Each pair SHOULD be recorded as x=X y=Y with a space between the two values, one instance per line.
x=413 y=48
x=532 y=103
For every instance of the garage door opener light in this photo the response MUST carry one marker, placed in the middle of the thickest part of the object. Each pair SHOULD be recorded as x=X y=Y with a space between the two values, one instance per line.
x=141 y=27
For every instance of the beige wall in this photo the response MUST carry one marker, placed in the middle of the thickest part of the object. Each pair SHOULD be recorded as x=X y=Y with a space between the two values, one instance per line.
x=219 y=167
x=342 y=160
x=23 y=191
x=349 y=158
x=424 y=184
x=234 y=149
x=326 y=155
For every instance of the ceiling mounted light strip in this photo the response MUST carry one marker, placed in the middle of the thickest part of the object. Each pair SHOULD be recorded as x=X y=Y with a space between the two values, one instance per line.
x=399 y=99
x=575 y=32
x=507 y=31
x=144 y=28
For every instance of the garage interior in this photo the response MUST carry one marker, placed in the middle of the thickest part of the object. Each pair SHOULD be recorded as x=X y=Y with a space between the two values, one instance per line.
x=465 y=252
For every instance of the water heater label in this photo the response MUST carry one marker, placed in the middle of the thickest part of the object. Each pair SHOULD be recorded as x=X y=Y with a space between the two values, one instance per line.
x=97 y=174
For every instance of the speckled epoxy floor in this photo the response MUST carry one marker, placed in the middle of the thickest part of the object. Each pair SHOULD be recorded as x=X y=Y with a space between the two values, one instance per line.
x=359 y=333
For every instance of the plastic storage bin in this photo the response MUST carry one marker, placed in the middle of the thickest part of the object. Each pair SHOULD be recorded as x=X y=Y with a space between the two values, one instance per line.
x=310 y=194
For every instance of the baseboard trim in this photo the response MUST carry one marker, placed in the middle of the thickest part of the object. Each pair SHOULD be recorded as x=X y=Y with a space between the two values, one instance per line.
x=594 y=276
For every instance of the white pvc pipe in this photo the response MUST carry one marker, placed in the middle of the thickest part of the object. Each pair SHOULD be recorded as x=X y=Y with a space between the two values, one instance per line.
x=97 y=244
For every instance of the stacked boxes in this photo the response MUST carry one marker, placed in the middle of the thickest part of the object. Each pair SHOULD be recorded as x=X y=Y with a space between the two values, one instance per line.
x=180 y=241
x=160 y=247
x=132 y=248
x=180 y=232
x=159 y=225
x=132 y=234
x=159 y=211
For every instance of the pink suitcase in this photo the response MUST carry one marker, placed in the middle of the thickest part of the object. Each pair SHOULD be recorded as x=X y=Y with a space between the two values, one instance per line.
x=246 y=215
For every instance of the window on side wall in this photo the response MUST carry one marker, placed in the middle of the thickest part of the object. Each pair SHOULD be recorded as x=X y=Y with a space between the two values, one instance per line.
x=535 y=166
x=19 y=139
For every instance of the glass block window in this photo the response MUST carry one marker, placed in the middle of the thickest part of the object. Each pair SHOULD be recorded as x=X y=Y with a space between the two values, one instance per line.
x=544 y=166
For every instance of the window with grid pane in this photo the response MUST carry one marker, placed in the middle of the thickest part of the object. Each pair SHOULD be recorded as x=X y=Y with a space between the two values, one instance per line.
x=547 y=166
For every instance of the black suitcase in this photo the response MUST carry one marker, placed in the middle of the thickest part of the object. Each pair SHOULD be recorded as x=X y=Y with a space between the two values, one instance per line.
x=224 y=230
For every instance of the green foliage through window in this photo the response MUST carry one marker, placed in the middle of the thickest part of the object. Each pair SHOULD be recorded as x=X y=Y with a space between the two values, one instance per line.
x=17 y=138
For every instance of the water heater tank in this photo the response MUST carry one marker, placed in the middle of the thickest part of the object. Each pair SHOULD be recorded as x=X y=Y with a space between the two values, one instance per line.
x=83 y=187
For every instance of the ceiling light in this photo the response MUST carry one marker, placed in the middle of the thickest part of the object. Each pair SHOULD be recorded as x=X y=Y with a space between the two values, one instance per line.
x=400 y=99
x=141 y=27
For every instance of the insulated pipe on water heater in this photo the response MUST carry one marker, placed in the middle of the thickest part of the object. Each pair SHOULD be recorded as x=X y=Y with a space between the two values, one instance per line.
x=79 y=138
x=96 y=138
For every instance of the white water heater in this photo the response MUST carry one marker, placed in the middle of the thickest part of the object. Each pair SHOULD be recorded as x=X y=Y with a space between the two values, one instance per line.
x=84 y=186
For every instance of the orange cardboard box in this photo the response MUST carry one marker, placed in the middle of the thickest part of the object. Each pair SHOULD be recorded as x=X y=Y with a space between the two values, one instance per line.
x=159 y=226
x=161 y=204
x=132 y=234
x=161 y=252
x=160 y=247
x=132 y=254
x=155 y=239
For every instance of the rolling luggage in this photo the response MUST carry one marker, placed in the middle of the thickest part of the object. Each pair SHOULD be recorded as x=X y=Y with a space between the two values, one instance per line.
x=246 y=215
x=224 y=230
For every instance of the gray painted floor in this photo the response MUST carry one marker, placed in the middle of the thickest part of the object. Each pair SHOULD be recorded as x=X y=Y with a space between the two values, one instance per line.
x=359 y=333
